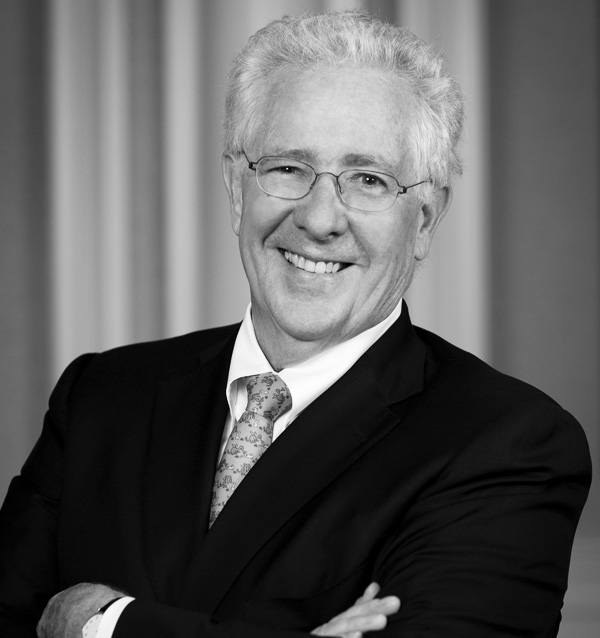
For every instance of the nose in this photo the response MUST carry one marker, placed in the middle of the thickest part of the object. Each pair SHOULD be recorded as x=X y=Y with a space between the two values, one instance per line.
x=321 y=213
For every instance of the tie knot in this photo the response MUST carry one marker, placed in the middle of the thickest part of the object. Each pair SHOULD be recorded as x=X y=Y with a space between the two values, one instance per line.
x=268 y=395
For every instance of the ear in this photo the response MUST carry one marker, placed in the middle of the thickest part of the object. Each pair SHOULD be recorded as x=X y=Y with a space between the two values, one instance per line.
x=432 y=211
x=233 y=183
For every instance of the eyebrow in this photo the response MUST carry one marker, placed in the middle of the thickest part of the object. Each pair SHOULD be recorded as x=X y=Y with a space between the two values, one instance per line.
x=361 y=159
x=350 y=159
x=294 y=153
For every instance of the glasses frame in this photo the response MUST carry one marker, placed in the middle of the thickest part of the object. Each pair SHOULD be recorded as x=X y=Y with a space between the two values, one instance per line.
x=402 y=190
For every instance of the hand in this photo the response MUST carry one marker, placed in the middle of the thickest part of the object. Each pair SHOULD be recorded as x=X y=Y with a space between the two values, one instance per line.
x=67 y=612
x=367 y=614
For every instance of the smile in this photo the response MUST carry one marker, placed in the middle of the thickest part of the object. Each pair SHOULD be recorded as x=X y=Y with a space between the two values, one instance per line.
x=318 y=267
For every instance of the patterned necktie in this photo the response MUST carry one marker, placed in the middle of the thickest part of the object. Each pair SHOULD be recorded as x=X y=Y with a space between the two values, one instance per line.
x=268 y=398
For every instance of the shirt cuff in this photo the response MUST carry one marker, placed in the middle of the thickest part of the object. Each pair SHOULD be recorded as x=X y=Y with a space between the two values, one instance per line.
x=110 y=617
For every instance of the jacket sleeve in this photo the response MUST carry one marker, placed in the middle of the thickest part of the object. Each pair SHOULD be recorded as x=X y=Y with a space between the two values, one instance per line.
x=484 y=555
x=154 y=620
x=28 y=517
x=487 y=554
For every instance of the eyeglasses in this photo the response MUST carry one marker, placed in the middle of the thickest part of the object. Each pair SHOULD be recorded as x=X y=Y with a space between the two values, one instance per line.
x=365 y=190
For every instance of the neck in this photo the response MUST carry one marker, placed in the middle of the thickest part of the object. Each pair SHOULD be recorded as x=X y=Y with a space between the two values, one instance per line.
x=283 y=351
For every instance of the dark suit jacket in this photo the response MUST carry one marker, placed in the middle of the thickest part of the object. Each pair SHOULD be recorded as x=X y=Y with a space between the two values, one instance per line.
x=453 y=486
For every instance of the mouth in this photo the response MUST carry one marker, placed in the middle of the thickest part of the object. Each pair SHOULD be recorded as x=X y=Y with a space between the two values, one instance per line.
x=317 y=267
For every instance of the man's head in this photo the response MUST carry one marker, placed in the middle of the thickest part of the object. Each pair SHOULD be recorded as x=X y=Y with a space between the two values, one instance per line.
x=341 y=93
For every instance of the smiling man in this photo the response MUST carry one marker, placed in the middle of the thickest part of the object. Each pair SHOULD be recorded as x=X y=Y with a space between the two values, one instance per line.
x=308 y=469
x=328 y=239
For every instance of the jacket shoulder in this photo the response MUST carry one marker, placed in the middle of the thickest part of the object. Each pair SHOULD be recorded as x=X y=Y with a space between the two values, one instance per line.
x=452 y=368
x=489 y=410
x=162 y=357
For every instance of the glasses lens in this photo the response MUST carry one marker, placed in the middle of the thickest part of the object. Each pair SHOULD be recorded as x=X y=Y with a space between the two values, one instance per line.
x=368 y=190
x=283 y=177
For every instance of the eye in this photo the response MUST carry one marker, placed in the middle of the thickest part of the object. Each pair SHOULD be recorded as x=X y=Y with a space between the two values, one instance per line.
x=368 y=180
x=371 y=180
x=286 y=169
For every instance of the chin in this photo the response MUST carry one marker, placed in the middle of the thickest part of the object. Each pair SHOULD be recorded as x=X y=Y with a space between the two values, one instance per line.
x=314 y=323
x=303 y=332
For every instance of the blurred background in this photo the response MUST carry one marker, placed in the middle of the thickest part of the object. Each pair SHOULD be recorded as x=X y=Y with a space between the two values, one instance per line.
x=114 y=222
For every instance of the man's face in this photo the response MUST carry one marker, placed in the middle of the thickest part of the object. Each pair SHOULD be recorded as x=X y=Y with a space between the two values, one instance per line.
x=334 y=119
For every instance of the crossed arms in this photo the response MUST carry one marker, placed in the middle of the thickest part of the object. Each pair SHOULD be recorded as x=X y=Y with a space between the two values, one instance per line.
x=482 y=553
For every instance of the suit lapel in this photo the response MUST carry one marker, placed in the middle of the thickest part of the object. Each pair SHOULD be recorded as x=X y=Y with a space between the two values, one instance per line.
x=189 y=414
x=330 y=435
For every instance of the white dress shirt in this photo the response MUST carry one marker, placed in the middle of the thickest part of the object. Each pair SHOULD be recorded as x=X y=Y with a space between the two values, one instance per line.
x=306 y=381
x=109 y=618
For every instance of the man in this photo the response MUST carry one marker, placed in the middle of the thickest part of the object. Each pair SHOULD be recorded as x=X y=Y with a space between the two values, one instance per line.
x=256 y=480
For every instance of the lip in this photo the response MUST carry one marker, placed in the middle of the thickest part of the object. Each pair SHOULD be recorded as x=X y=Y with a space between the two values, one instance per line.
x=314 y=257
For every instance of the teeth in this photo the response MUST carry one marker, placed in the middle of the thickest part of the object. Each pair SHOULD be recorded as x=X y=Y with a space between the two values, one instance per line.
x=309 y=265
x=291 y=257
x=319 y=267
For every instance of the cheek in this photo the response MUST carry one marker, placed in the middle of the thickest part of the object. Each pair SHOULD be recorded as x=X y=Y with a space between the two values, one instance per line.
x=390 y=244
x=261 y=214
x=254 y=224
x=261 y=224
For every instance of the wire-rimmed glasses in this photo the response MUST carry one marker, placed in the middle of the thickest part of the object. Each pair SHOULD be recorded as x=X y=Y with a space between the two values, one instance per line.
x=358 y=188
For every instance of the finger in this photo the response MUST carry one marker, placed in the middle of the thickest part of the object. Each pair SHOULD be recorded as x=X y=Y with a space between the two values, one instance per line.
x=350 y=624
x=388 y=605
x=323 y=631
x=370 y=592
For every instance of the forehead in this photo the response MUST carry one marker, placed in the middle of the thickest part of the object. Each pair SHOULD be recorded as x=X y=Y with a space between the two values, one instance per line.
x=331 y=114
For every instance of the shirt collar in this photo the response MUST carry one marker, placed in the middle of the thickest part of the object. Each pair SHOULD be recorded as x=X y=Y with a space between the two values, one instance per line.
x=310 y=378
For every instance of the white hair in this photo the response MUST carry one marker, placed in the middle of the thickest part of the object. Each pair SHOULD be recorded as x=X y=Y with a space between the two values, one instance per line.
x=351 y=37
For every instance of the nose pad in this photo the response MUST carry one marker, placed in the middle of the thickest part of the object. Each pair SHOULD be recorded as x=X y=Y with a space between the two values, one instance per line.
x=334 y=180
